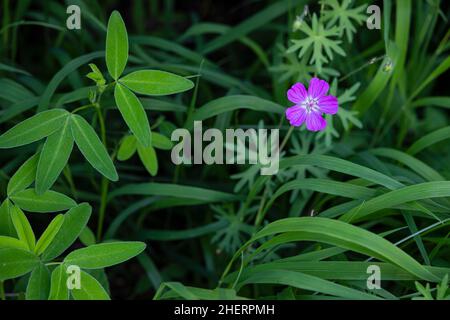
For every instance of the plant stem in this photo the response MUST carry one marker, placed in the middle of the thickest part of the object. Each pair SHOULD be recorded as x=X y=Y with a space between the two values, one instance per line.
x=105 y=181
x=2 y=291
x=259 y=215
x=83 y=107
x=286 y=137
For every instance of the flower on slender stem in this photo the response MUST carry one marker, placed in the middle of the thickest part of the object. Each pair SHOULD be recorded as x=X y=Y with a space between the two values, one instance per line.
x=311 y=104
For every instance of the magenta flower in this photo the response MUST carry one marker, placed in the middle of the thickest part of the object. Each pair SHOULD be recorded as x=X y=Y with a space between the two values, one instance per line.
x=311 y=104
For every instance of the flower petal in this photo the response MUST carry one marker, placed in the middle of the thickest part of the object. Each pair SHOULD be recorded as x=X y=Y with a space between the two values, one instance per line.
x=328 y=104
x=315 y=121
x=317 y=88
x=296 y=115
x=297 y=93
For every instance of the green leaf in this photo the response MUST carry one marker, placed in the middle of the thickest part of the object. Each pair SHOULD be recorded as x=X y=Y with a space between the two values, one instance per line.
x=133 y=113
x=148 y=158
x=161 y=142
x=33 y=129
x=92 y=148
x=236 y=102
x=16 y=262
x=49 y=234
x=23 y=227
x=340 y=234
x=87 y=237
x=24 y=176
x=429 y=139
x=307 y=282
x=104 y=255
x=61 y=75
x=54 y=157
x=116 y=45
x=39 y=284
x=90 y=289
x=390 y=199
x=127 y=148
x=75 y=221
x=156 y=83
x=10 y=242
x=58 y=284
x=49 y=201
x=6 y=225
x=170 y=190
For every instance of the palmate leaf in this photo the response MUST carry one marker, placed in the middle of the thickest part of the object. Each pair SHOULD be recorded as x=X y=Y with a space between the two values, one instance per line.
x=33 y=129
x=104 y=255
x=156 y=83
x=320 y=40
x=54 y=157
x=92 y=148
x=133 y=113
x=344 y=15
x=116 y=45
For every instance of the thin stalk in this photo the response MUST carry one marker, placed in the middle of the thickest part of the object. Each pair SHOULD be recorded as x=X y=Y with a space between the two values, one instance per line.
x=2 y=291
x=105 y=181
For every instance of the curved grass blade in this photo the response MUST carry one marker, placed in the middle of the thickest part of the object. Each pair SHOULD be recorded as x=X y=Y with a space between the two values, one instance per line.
x=236 y=102
x=343 y=235
x=429 y=139
x=416 y=165
x=170 y=190
x=406 y=194
x=68 y=68
x=306 y=282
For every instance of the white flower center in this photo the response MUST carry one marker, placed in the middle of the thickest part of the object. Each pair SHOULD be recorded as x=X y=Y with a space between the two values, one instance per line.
x=310 y=104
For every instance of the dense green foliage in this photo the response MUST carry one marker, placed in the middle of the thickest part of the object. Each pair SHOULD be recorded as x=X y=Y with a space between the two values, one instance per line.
x=86 y=118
